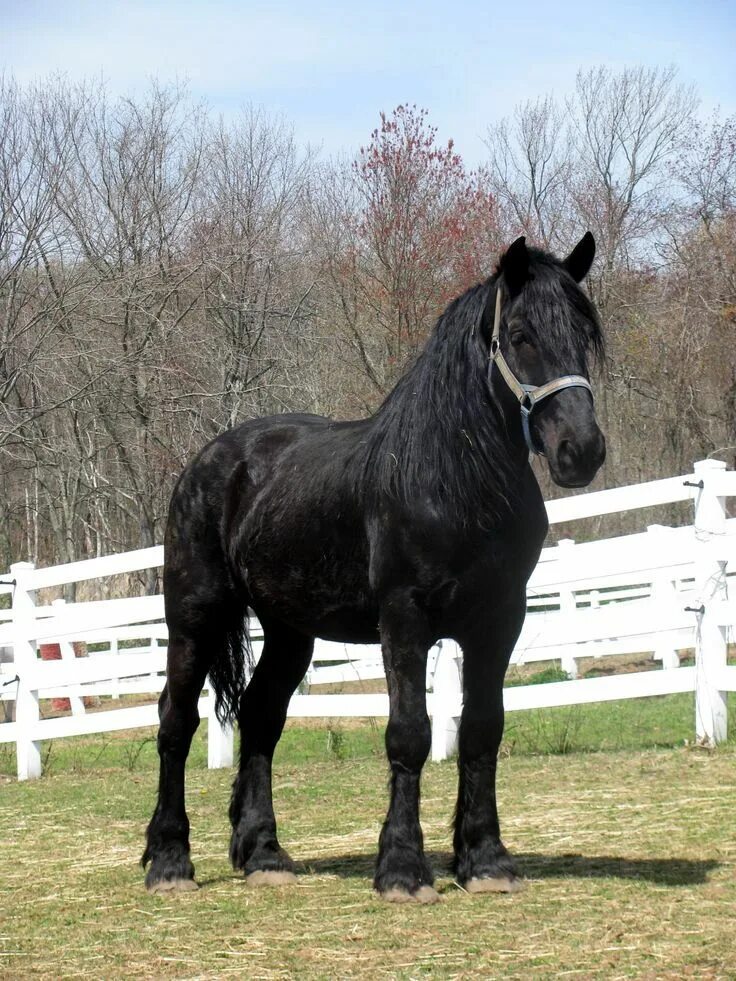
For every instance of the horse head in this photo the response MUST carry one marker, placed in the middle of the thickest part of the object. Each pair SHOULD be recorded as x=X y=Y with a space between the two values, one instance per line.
x=541 y=329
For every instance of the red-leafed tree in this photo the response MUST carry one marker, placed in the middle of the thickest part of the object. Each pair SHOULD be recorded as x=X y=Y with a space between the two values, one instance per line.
x=417 y=229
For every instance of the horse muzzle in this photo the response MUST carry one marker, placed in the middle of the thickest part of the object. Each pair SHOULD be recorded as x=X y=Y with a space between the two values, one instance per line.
x=574 y=460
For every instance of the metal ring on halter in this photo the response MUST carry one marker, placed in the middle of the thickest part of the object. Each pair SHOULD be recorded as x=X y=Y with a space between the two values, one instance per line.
x=529 y=396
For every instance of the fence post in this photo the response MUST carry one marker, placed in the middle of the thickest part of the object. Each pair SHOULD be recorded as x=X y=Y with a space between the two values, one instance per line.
x=664 y=600
x=67 y=652
x=595 y=604
x=219 y=739
x=26 y=705
x=711 y=709
x=446 y=697
x=114 y=682
x=568 y=603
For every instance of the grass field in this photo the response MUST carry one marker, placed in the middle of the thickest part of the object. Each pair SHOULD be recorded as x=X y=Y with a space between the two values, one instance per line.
x=629 y=853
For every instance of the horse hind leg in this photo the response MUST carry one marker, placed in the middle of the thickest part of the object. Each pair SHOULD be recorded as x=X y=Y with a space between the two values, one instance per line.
x=254 y=846
x=192 y=653
x=167 y=837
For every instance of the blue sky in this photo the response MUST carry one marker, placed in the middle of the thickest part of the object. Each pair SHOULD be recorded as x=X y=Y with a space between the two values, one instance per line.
x=329 y=68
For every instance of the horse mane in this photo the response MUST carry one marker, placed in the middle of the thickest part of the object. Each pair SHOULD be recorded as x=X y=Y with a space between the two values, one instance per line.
x=438 y=429
x=440 y=433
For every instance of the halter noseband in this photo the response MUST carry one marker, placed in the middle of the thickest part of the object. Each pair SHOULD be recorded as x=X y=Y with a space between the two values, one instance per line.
x=529 y=396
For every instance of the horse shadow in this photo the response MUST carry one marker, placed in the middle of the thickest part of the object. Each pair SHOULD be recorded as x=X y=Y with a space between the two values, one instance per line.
x=533 y=865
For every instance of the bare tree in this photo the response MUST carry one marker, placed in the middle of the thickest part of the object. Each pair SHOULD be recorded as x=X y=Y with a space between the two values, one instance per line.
x=530 y=169
x=250 y=246
x=126 y=198
x=627 y=128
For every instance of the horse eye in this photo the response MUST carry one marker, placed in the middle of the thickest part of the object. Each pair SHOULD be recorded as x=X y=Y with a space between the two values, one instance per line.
x=519 y=337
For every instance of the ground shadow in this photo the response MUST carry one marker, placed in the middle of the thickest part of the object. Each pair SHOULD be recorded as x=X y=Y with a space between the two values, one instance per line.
x=661 y=871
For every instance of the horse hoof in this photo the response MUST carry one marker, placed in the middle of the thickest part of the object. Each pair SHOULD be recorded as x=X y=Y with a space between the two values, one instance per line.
x=499 y=884
x=172 y=885
x=424 y=894
x=271 y=877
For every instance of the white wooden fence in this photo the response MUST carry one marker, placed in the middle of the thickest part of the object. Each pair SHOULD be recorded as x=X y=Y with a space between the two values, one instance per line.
x=658 y=592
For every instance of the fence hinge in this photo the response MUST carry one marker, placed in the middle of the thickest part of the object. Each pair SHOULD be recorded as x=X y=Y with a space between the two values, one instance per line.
x=10 y=681
x=8 y=582
x=700 y=610
x=692 y=483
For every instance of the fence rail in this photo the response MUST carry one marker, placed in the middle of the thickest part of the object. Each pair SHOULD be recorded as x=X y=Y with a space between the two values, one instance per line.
x=657 y=593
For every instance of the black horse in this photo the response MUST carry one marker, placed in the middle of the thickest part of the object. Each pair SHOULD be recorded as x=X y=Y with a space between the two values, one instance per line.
x=421 y=522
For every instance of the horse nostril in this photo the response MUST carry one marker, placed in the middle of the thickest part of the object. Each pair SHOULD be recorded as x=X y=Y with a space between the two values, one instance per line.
x=566 y=455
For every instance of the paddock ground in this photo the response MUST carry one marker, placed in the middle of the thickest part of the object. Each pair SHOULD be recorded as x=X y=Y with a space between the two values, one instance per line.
x=629 y=854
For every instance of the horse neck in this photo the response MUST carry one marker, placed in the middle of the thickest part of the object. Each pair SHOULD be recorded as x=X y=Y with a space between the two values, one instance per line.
x=441 y=434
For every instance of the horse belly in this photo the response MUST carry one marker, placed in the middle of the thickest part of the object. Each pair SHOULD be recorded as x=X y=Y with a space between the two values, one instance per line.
x=348 y=626
x=322 y=590
x=329 y=617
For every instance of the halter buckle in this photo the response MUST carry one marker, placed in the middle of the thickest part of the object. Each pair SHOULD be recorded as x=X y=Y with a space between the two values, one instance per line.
x=527 y=400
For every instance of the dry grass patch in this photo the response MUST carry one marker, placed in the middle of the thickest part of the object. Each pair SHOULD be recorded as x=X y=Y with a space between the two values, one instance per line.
x=630 y=859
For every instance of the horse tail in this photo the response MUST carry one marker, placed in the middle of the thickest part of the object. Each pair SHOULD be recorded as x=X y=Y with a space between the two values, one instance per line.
x=232 y=664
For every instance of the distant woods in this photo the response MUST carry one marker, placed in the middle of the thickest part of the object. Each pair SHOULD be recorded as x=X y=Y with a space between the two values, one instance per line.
x=165 y=274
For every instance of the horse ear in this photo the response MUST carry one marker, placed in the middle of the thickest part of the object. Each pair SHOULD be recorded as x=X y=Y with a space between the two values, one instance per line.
x=580 y=260
x=514 y=265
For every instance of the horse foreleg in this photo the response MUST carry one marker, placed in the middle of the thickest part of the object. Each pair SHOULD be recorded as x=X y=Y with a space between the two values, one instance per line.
x=402 y=871
x=482 y=863
x=254 y=846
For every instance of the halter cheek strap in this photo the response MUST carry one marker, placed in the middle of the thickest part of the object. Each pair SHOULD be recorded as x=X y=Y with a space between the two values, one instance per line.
x=529 y=396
